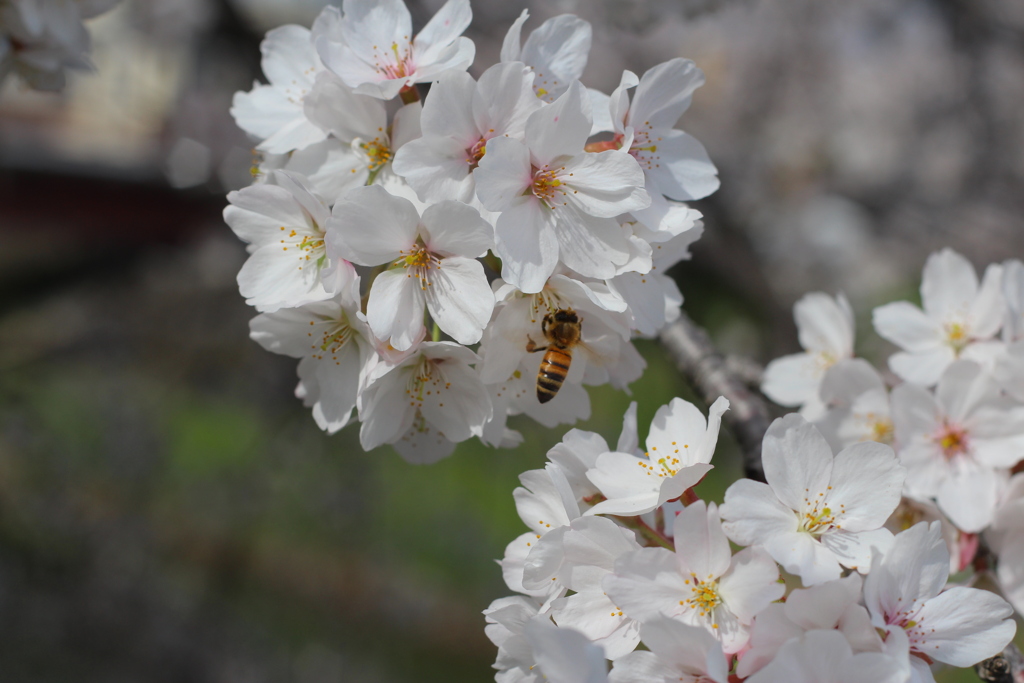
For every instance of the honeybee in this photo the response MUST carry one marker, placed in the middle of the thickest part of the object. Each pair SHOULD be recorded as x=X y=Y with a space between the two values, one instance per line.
x=562 y=330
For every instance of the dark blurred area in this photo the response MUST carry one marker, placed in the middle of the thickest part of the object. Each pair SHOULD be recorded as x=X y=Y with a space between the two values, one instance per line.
x=170 y=512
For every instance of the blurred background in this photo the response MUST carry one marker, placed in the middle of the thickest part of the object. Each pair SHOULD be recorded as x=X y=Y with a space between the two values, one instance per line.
x=168 y=510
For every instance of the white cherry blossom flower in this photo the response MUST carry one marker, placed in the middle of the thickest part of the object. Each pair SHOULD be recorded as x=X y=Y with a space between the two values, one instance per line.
x=433 y=263
x=825 y=328
x=556 y=51
x=284 y=224
x=564 y=655
x=958 y=317
x=958 y=443
x=425 y=404
x=459 y=117
x=334 y=347
x=904 y=590
x=817 y=511
x=676 y=652
x=701 y=583
x=362 y=143
x=857 y=403
x=831 y=605
x=675 y=164
x=826 y=657
x=587 y=553
x=276 y=113
x=1013 y=294
x=506 y=623
x=372 y=49
x=558 y=202
x=679 y=449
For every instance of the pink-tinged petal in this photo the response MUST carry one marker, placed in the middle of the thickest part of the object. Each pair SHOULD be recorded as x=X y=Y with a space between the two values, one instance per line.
x=821 y=606
x=542 y=565
x=825 y=324
x=510 y=46
x=593 y=247
x=644 y=666
x=334 y=107
x=561 y=129
x=914 y=411
x=504 y=100
x=792 y=380
x=558 y=50
x=907 y=326
x=801 y=554
x=797 y=460
x=647 y=584
x=448 y=112
x=371 y=227
x=459 y=298
x=855 y=549
x=915 y=569
x=683 y=169
x=288 y=55
x=676 y=431
x=442 y=30
x=436 y=168
x=753 y=513
x=604 y=184
x=270 y=282
x=395 y=308
x=963 y=626
x=526 y=243
x=867 y=481
x=700 y=544
x=264 y=110
x=385 y=412
x=969 y=497
x=750 y=584
x=504 y=173
x=455 y=229
x=664 y=93
x=988 y=308
x=923 y=368
x=948 y=285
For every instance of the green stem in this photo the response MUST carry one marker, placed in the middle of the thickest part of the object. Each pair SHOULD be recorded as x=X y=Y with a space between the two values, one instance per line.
x=652 y=536
x=435 y=333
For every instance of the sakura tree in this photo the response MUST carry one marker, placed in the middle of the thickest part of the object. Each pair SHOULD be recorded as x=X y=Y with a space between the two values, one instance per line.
x=424 y=241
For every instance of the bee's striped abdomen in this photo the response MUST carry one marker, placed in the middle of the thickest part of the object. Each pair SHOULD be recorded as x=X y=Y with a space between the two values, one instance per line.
x=553 y=369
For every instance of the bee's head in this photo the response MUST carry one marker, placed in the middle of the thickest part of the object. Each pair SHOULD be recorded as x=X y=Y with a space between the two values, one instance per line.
x=566 y=315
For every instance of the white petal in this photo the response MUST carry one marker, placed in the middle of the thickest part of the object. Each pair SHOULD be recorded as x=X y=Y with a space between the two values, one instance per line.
x=675 y=431
x=948 y=285
x=504 y=100
x=854 y=549
x=371 y=226
x=866 y=487
x=825 y=324
x=561 y=129
x=459 y=298
x=503 y=174
x=442 y=30
x=797 y=460
x=334 y=107
x=684 y=171
x=605 y=184
x=753 y=513
x=664 y=93
x=511 y=45
x=436 y=168
x=969 y=625
x=700 y=543
x=593 y=247
x=907 y=326
x=527 y=244
x=558 y=50
x=751 y=584
x=792 y=380
x=799 y=553
x=456 y=229
x=395 y=308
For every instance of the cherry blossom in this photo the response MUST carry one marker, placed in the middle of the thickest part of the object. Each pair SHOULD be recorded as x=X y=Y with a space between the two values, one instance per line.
x=370 y=48
x=958 y=316
x=857 y=403
x=558 y=202
x=676 y=651
x=825 y=327
x=817 y=511
x=904 y=590
x=826 y=657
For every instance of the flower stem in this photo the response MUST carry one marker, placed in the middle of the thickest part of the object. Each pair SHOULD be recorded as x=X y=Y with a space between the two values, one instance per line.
x=652 y=536
x=409 y=94
x=435 y=333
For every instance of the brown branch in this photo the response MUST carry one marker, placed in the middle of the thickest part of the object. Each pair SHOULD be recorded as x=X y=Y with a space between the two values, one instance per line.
x=700 y=362
x=1005 y=667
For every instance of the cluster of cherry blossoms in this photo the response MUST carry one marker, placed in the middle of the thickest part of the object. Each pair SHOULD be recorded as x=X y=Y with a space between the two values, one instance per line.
x=409 y=251
x=41 y=39
x=956 y=420
x=621 y=552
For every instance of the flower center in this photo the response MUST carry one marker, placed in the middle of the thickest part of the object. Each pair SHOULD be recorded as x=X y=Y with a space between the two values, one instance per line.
x=418 y=262
x=547 y=185
x=396 y=63
x=645 y=148
x=881 y=428
x=817 y=522
x=307 y=247
x=957 y=336
x=475 y=153
x=704 y=596
x=377 y=153
x=952 y=440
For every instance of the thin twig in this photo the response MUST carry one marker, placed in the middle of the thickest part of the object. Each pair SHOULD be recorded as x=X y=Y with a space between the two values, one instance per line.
x=1005 y=667
x=700 y=362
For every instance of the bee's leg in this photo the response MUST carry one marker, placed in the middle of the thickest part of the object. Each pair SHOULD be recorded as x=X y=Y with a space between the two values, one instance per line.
x=531 y=346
